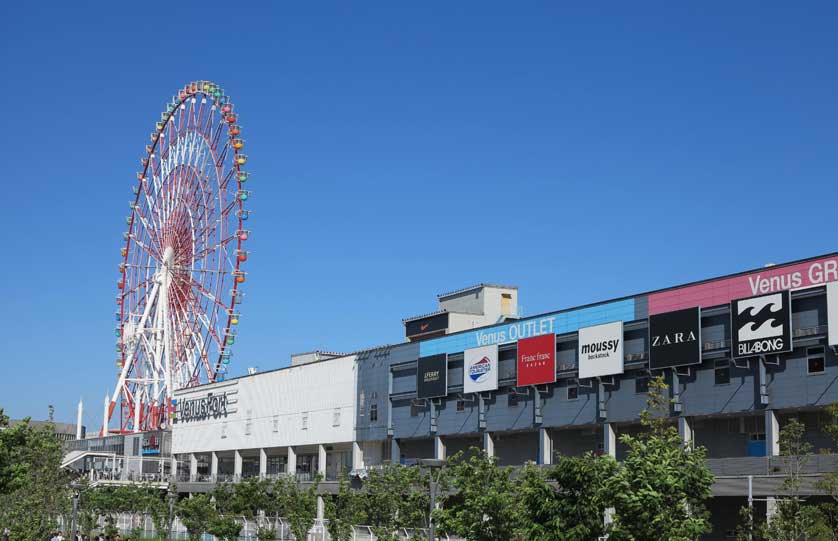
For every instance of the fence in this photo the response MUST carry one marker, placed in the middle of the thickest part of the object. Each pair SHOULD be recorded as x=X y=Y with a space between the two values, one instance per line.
x=126 y=522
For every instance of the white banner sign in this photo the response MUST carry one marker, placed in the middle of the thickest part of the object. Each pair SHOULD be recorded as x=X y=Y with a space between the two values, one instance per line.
x=601 y=350
x=832 y=312
x=480 y=369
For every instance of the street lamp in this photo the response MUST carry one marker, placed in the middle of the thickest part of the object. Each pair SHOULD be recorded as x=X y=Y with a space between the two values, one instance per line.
x=432 y=464
x=76 y=495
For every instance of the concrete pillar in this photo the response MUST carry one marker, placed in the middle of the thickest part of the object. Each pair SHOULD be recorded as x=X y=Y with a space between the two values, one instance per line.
x=193 y=467
x=609 y=440
x=770 y=508
x=173 y=468
x=395 y=452
x=545 y=446
x=357 y=456
x=263 y=463
x=214 y=466
x=321 y=508
x=321 y=460
x=685 y=430
x=291 y=469
x=772 y=434
x=488 y=444
x=439 y=448
x=237 y=465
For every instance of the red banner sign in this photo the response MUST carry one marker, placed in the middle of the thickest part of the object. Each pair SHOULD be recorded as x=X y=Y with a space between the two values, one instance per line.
x=537 y=360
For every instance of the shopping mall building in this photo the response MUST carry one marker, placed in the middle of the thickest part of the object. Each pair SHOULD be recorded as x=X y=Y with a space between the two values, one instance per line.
x=742 y=355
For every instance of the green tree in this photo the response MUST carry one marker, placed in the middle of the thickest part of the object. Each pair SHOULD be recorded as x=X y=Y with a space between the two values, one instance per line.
x=486 y=506
x=566 y=502
x=196 y=514
x=301 y=507
x=224 y=527
x=394 y=497
x=659 y=490
x=33 y=488
x=827 y=512
x=342 y=511
x=162 y=511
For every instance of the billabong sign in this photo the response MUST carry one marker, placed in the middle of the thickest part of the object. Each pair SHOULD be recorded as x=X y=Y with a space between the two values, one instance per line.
x=675 y=338
x=761 y=325
x=601 y=350
x=481 y=369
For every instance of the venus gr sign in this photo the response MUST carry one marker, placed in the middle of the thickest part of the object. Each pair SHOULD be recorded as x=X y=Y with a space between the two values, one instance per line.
x=761 y=325
x=432 y=376
x=211 y=406
x=481 y=369
x=601 y=350
x=675 y=338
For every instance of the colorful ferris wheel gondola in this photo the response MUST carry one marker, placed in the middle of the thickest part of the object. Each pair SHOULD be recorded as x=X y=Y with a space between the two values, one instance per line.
x=180 y=274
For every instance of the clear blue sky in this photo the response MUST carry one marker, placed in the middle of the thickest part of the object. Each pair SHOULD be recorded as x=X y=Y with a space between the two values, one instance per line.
x=400 y=149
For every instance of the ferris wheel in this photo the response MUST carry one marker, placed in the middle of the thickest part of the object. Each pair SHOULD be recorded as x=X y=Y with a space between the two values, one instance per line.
x=181 y=267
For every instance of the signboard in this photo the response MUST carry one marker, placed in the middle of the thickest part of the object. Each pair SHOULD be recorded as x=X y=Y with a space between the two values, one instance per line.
x=537 y=360
x=832 y=312
x=761 y=325
x=481 y=369
x=425 y=325
x=675 y=338
x=151 y=444
x=806 y=274
x=211 y=406
x=432 y=376
x=601 y=350
x=556 y=323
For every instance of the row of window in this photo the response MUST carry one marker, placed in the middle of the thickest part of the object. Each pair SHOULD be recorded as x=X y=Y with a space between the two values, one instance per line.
x=816 y=364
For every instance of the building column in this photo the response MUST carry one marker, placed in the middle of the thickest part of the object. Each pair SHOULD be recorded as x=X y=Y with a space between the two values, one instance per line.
x=237 y=465
x=772 y=434
x=770 y=508
x=291 y=467
x=321 y=508
x=357 y=456
x=685 y=430
x=545 y=446
x=321 y=460
x=488 y=444
x=173 y=468
x=609 y=440
x=439 y=448
x=263 y=463
x=395 y=452
x=214 y=466
x=193 y=467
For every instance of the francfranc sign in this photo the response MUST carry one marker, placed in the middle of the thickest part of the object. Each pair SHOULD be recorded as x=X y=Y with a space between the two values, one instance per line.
x=198 y=409
x=516 y=331
x=819 y=272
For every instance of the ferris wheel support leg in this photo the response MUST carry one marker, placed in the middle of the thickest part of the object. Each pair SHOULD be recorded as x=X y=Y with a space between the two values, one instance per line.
x=126 y=368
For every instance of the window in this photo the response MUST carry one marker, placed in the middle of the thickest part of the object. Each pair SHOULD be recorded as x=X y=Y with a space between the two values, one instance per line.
x=248 y=423
x=461 y=406
x=276 y=423
x=304 y=421
x=512 y=400
x=361 y=403
x=641 y=384
x=136 y=446
x=816 y=362
x=373 y=413
x=722 y=372
x=224 y=430
x=572 y=392
x=336 y=417
x=414 y=409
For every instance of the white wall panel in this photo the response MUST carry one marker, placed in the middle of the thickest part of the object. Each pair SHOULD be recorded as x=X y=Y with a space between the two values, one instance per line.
x=317 y=389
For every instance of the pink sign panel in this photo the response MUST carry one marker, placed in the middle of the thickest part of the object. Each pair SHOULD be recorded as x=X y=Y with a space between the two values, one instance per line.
x=795 y=276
